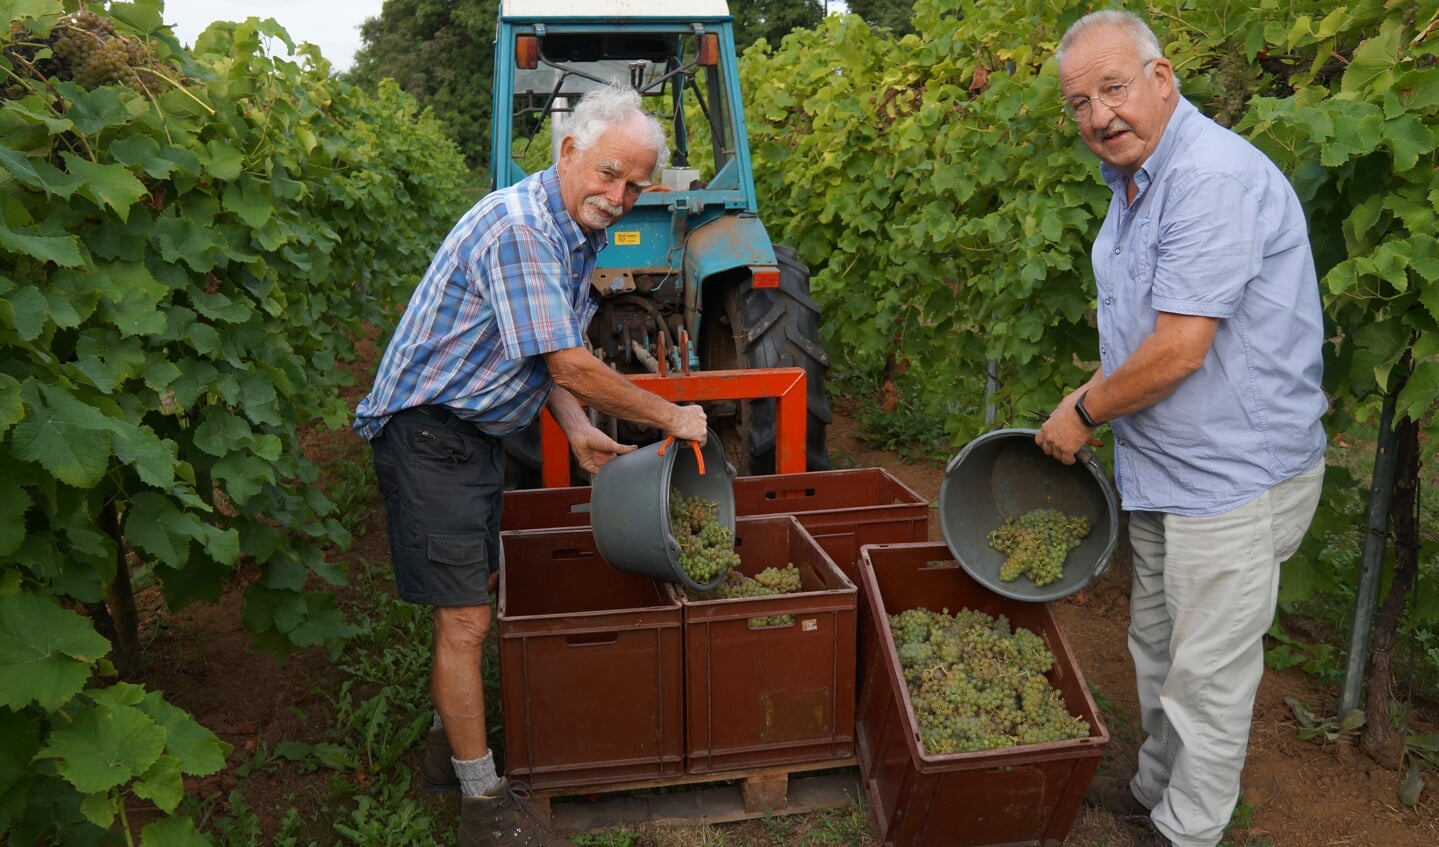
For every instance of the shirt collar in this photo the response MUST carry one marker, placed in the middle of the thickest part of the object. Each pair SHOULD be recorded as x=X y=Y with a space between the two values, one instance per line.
x=575 y=237
x=1152 y=166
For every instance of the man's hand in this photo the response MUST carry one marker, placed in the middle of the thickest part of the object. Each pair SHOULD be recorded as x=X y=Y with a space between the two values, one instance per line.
x=1063 y=434
x=690 y=424
x=593 y=449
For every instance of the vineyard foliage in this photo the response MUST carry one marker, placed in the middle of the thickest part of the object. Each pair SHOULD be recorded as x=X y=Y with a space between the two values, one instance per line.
x=190 y=242
x=946 y=205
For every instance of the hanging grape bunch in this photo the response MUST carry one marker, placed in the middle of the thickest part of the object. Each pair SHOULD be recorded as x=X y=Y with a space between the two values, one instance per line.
x=977 y=684
x=85 y=47
x=1036 y=544
x=706 y=545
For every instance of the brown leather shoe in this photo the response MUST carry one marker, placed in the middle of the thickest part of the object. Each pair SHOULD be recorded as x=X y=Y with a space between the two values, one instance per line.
x=1112 y=793
x=500 y=818
x=437 y=772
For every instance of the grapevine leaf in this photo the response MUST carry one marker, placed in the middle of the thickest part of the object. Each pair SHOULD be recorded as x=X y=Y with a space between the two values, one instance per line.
x=107 y=185
x=96 y=109
x=156 y=526
x=63 y=250
x=132 y=295
x=98 y=809
x=1409 y=138
x=172 y=832
x=143 y=152
x=220 y=307
x=29 y=108
x=198 y=750
x=161 y=784
x=21 y=732
x=221 y=433
x=221 y=160
x=70 y=439
x=1374 y=60
x=185 y=239
x=1417 y=396
x=152 y=457
x=250 y=200
x=105 y=746
x=20 y=166
x=31 y=312
x=45 y=651
x=12 y=409
x=14 y=502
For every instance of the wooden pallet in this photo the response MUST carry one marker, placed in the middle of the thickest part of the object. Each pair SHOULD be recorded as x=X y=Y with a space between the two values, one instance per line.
x=710 y=798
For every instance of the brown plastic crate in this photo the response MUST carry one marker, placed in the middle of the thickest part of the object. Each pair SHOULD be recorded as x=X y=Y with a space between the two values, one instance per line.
x=843 y=509
x=545 y=508
x=1026 y=795
x=591 y=665
x=759 y=695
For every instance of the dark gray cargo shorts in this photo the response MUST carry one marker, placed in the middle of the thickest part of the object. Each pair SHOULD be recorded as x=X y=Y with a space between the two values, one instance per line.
x=442 y=482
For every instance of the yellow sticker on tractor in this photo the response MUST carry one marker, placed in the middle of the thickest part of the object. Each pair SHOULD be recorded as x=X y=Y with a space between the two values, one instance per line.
x=628 y=239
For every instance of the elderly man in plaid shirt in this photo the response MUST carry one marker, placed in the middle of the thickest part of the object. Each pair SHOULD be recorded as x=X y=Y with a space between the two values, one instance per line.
x=493 y=333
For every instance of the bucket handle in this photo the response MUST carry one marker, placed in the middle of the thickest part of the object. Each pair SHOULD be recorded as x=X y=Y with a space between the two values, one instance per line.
x=699 y=454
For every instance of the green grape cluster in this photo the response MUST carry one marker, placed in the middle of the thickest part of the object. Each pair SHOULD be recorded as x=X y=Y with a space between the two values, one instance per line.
x=977 y=684
x=706 y=545
x=1036 y=544
x=769 y=582
x=92 y=53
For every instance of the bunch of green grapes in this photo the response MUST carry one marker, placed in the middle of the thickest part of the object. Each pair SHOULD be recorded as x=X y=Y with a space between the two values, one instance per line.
x=976 y=683
x=706 y=545
x=1036 y=544
x=90 y=51
x=769 y=582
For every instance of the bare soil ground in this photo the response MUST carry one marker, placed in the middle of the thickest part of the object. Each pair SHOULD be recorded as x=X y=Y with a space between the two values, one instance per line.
x=1297 y=794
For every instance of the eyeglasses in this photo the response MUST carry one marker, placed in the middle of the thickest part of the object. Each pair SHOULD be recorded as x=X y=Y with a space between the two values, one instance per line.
x=1112 y=95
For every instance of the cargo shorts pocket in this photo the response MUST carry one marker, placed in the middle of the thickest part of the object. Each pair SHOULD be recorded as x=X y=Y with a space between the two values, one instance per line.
x=460 y=569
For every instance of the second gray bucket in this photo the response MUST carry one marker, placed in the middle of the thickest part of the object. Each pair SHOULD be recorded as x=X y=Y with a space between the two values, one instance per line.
x=629 y=505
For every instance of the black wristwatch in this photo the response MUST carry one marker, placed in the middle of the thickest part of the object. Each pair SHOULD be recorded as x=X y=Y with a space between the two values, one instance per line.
x=1083 y=413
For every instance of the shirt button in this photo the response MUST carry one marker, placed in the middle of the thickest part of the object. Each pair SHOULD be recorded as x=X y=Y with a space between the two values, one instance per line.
x=1116 y=251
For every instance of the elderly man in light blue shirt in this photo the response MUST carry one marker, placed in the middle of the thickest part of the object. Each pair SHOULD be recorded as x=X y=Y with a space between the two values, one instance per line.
x=1210 y=333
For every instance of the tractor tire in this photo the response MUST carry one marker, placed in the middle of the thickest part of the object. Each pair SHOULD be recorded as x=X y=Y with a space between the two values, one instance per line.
x=774 y=328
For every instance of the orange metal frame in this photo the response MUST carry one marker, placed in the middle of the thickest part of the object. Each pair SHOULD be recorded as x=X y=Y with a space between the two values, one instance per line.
x=786 y=385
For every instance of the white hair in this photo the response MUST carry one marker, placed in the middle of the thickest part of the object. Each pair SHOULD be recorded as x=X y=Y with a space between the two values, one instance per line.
x=1145 y=42
x=610 y=107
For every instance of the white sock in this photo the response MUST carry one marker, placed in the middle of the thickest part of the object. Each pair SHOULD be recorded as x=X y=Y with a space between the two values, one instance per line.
x=476 y=775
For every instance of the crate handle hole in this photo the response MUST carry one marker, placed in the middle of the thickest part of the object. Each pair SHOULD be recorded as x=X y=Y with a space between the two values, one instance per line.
x=589 y=639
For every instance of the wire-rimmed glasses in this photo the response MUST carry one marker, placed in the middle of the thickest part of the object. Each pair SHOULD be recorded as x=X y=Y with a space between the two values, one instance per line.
x=1112 y=95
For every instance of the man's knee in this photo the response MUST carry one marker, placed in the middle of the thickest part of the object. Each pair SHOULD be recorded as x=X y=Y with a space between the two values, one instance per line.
x=463 y=627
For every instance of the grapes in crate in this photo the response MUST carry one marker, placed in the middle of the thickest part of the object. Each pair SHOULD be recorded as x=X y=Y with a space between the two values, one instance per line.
x=975 y=683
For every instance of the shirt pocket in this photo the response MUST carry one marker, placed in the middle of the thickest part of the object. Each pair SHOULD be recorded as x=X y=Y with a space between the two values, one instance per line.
x=1143 y=248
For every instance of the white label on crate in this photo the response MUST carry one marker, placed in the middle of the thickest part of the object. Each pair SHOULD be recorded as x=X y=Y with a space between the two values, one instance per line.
x=809 y=625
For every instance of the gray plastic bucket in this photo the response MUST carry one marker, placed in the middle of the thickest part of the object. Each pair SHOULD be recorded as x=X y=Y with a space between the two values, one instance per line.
x=629 y=505
x=1004 y=474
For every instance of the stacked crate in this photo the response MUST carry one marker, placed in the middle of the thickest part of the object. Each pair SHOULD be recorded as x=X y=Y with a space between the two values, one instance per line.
x=739 y=696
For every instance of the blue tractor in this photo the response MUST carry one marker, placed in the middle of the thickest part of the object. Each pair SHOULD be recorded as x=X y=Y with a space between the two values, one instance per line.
x=691 y=276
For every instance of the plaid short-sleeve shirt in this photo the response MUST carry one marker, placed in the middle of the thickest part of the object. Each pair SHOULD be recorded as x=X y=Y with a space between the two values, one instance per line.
x=510 y=282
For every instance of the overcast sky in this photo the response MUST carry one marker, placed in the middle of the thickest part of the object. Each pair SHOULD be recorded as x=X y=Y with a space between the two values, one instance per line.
x=332 y=25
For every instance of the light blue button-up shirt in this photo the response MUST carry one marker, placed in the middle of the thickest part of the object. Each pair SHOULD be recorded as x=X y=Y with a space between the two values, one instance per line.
x=1215 y=230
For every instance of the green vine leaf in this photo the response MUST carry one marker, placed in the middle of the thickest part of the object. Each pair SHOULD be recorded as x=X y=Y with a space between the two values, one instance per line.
x=105 y=746
x=69 y=438
x=46 y=652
